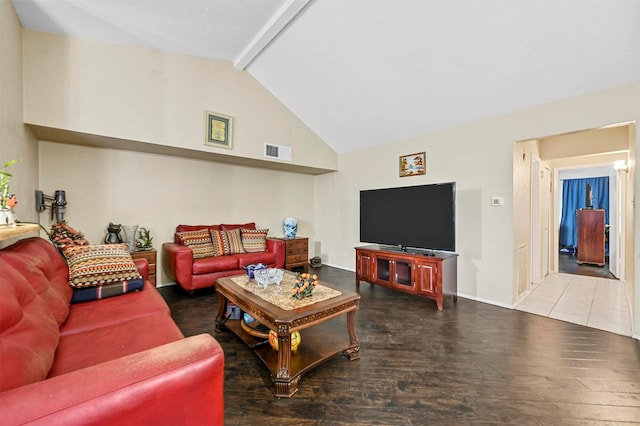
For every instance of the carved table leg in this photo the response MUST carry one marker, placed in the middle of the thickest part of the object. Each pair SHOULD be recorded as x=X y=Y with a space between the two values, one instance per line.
x=353 y=352
x=222 y=311
x=283 y=385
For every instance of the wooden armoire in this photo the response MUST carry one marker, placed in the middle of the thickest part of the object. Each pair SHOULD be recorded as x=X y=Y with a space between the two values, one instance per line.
x=591 y=236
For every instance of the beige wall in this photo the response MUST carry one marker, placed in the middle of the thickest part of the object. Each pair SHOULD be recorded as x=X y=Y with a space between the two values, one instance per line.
x=479 y=157
x=143 y=95
x=16 y=140
x=160 y=192
x=481 y=170
x=155 y=97
x=585 y=143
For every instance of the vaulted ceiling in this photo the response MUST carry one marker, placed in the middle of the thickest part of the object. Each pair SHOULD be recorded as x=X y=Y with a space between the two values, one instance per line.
x=367 y=72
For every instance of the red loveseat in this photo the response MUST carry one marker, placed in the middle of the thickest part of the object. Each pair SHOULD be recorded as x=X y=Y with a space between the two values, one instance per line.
x=119 y=360
x=193 y=272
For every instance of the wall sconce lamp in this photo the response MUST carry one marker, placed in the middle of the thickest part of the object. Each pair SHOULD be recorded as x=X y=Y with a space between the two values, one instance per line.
x=620 y=165
x=57 y=204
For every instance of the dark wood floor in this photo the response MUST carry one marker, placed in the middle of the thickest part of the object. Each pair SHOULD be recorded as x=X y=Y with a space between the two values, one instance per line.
x=568 y=264
x=472 y=363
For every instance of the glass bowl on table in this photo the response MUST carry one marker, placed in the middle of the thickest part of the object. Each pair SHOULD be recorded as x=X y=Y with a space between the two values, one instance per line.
x=268 y=276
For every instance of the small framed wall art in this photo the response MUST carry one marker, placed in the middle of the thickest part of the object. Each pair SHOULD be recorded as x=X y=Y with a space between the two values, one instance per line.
x=218 y=130
x=412 y=164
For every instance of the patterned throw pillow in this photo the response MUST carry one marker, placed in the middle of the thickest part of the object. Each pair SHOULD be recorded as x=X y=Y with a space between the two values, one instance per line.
x=235 y=241
x=254 y=240
x=198 y=241
x=220 y=242
x=100 y=264
x=104 y=291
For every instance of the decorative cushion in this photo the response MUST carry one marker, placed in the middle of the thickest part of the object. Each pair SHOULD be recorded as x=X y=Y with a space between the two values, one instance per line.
x=235 y=241
x=198 y=241
x=220 y=243
x=107 y=290
x=254 y=240
x=183 y=228
x=100 y=264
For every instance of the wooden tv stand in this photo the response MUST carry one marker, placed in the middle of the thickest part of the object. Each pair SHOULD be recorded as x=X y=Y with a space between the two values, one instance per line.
x=425 y=273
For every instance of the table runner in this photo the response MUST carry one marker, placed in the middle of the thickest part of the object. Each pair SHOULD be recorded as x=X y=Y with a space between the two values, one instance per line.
x=281 y=296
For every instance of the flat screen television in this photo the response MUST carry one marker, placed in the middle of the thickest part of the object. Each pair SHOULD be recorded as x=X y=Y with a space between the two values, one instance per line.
x=421 y=217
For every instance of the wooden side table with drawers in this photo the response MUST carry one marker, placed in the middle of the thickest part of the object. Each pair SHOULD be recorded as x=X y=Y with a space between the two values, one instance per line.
x=296 y=253
x=151 y=256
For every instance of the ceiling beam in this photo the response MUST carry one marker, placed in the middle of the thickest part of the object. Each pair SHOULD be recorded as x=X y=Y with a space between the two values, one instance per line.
x=270 y=31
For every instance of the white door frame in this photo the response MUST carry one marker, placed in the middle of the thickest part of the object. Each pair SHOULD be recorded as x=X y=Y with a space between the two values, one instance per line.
x=535 y=230
x=547 y=193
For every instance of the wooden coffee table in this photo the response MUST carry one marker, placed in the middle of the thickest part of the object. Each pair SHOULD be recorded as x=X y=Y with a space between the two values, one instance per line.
x=320 y=340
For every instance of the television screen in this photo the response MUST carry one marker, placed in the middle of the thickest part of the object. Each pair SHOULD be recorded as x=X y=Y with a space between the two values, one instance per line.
x=411 y=216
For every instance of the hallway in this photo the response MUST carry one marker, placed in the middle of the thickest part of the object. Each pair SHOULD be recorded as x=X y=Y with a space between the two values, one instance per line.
x=596 y=302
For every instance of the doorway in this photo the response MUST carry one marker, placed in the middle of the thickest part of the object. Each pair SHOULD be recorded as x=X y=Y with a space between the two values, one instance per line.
x=570 y=292
x=590 y=187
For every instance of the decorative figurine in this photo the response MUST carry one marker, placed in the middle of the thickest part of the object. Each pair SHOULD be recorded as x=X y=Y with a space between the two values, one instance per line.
x=7 y=215
x=12 y=200
x=113 y=234
x=290 y=227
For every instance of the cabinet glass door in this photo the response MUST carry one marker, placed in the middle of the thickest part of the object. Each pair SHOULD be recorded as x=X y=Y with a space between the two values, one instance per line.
x=403 y=275
x=383 y=269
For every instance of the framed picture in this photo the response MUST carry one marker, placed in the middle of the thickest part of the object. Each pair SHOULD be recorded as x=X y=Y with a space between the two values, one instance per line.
x=412 y=164
x=218 y=130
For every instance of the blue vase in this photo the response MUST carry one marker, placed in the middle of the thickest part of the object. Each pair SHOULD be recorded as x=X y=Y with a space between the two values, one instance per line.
x=290 y=227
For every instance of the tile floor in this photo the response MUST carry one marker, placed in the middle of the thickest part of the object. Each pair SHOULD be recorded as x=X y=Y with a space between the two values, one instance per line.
x=595 y=302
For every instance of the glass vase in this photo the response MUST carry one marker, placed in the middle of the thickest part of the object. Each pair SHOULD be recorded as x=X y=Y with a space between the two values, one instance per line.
x=130 y=235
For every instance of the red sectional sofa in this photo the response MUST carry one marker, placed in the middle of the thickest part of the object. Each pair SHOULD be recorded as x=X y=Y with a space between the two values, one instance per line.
x=193 y=273
x=120 y=360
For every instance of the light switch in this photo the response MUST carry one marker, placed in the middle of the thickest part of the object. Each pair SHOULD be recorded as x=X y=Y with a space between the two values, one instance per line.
x=497 y=201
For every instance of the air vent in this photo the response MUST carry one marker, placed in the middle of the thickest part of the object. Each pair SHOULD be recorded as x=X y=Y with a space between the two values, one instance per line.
x=277 y=151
